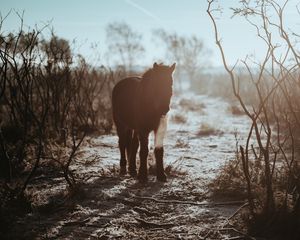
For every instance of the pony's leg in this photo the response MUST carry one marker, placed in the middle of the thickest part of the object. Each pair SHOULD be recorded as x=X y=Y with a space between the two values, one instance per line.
x=143 y=172
x=128 y=143
x=132 y=157
x=122 y=148
x=159 y=149
x=160 y=172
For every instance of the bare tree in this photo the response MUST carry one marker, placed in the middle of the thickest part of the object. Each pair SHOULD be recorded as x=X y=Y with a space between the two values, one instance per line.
x=125 y=43
x=274 y=118
x=187 y=51
x=57 y=50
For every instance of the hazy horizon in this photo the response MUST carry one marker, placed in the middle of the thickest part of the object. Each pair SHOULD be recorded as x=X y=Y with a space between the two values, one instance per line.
x=86 y=22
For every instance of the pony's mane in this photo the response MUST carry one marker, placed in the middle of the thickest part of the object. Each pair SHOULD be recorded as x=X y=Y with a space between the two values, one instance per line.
x=150 y=73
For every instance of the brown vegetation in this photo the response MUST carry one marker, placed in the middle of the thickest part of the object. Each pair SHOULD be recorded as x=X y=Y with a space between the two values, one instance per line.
x=49 y=100
x=273 y=205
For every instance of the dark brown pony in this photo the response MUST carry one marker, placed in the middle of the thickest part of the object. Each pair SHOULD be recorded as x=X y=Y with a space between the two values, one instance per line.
x=140 y=105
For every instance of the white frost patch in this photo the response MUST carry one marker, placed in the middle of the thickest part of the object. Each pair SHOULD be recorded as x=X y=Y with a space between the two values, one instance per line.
x=200 y=156
x=161 y=132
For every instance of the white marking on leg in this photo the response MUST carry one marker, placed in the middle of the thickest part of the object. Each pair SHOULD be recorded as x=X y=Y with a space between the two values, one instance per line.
x=160 y=132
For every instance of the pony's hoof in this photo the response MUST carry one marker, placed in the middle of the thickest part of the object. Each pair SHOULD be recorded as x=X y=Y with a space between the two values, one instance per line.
x=142 y=179
x=133 y=173
x=122 y=171
x=161 y=177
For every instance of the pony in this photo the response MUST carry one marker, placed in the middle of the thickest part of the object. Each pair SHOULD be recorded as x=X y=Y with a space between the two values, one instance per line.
x=140 y=106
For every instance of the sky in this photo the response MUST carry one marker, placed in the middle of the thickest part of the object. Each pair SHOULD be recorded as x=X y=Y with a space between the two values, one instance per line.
x=85 y=21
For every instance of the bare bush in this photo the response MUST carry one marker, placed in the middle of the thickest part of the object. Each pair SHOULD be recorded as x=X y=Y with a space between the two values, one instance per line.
x=125 y=43
x=207 y=130
x=48 y=96
x=274 y=118
x=189 y=53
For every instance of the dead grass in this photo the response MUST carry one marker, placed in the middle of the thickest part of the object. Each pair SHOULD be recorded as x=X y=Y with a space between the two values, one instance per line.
x=181 y=143
x=236 y=110
x=175 y=171
x=191 y=105
x=179 y=118
x=171 y=170
x=229 y=182
x=208 y=130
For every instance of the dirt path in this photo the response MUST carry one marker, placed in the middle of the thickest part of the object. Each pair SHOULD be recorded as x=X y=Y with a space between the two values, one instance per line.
x=201 y=138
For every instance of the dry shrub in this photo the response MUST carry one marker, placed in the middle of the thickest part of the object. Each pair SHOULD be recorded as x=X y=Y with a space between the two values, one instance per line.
x=208 y=130
x=181 y=143
x=175 y=171
x=230 y=181
x=274 y=116
x=12 y=204
x=191 y=105
x=48 y=95
x=179 y=118
x=230 y=185
x=172 y=169
x=50 y=98
x=236 y=110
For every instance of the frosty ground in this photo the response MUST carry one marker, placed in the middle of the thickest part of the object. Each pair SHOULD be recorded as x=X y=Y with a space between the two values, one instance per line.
x=202 y=135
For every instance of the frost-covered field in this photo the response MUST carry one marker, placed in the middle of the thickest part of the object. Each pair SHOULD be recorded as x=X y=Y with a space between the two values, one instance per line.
x=201 y=137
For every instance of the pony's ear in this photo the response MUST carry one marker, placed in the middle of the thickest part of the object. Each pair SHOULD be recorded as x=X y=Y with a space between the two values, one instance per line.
x=155 y=65
x=172 y=68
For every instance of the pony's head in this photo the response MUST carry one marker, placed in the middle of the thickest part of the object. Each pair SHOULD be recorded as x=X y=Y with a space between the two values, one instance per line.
x=158 y=82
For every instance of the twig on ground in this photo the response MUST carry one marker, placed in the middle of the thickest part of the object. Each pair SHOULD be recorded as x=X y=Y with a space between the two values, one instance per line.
x=236 y=238
x=245 y=236
x=145 y=211
x=72 y=223
x=238 y=210
x=190 y=202
x=152 y=224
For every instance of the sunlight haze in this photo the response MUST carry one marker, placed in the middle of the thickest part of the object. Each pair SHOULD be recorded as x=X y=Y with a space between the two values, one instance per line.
x=85 y=21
